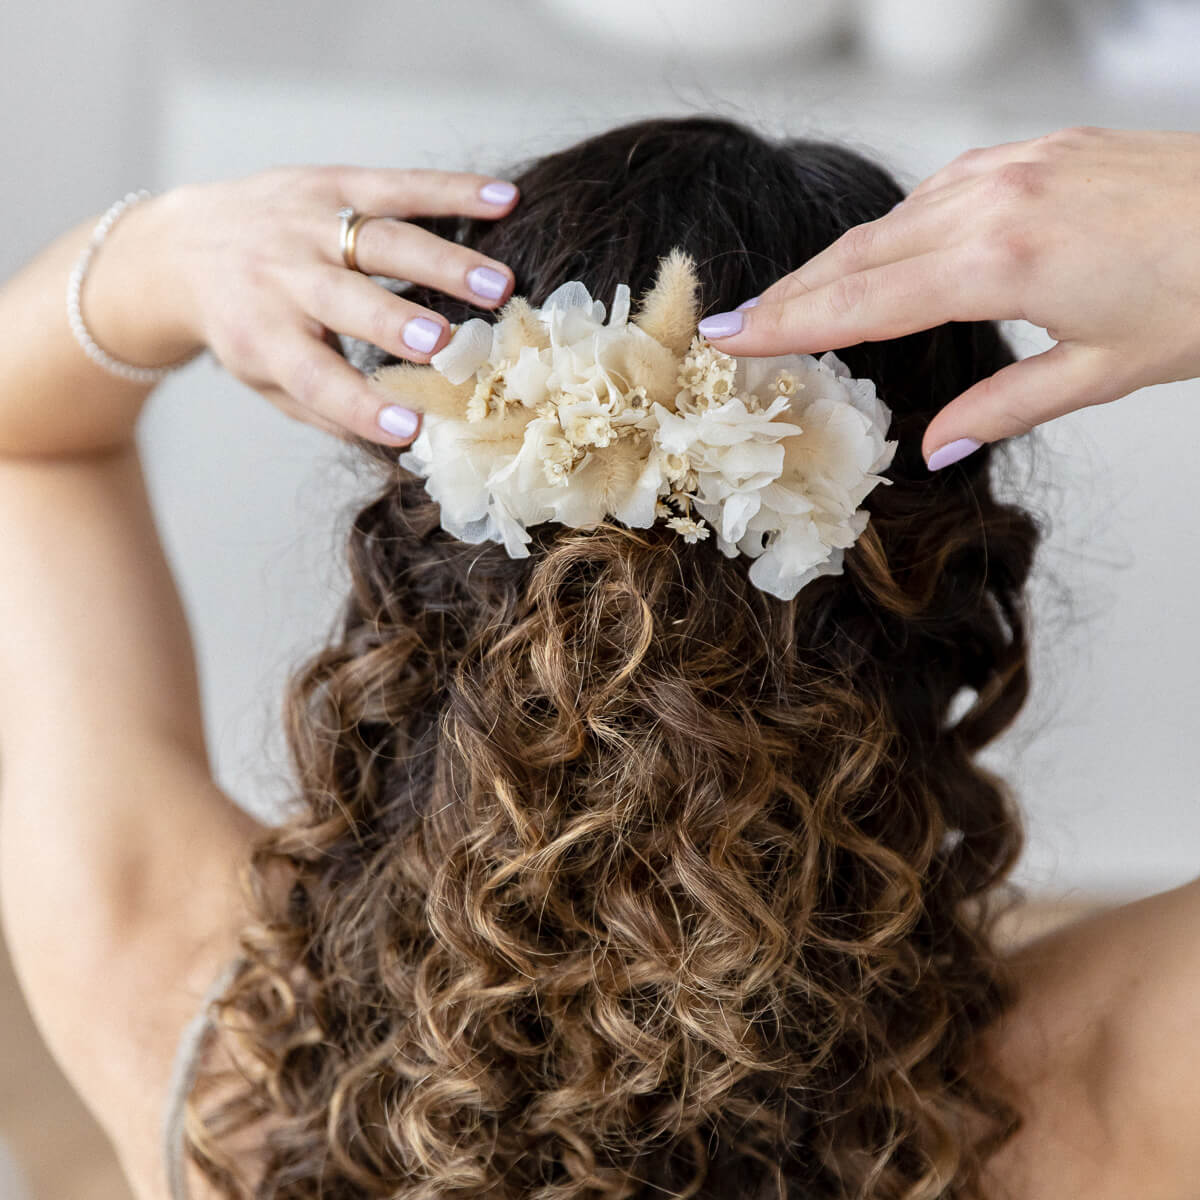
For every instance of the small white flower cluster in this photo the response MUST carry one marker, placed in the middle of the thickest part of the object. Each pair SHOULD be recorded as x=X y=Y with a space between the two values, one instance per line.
x=564 y=418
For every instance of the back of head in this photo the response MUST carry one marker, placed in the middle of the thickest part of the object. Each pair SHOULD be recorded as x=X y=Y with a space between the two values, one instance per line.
x=614 y=875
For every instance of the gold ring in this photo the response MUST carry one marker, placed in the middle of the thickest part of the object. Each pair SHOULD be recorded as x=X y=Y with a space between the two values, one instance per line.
x=352 y=221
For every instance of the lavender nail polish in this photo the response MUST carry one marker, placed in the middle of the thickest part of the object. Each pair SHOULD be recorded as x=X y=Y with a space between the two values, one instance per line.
x=952 y=452
x=397 y=421
x=497 y=193
x=721 y=325
x=483 y=281
x=422 y=334
x=748 y=303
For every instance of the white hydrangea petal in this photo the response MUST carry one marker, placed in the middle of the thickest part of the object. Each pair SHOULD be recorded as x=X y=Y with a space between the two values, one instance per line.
x=474 y=532
x=576 y=328
x=714 y=432
x=862 y=394
x=736 y=513
x=571 y=314
x=466 y=351
x=568 y=295
x=886 y=456
x=794 y=556
x=676 y=431
x=637 y=510
x=787 y=501
x=821 y=382
x=828 y=462
x=607 y=366
x=712 y=514
x=453 y=475
x=620 y=305
x=751 y=542
x=729 y=549
x=786 y=586
x=830 y=362
x=509 y=530
x=751 y=464
x=419 y=453
x=527 y=377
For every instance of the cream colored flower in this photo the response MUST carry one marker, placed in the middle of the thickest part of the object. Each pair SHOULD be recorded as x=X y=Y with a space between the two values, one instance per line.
x=693 y=531
x=708 y=374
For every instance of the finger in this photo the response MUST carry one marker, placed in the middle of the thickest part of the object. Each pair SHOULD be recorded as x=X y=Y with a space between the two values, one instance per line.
x=401 y=250
x=424 y=191
x=934 y=214
x=902 y=233
x=975 y=162
x=350 y=303
x=1021 y=396
x=327 y=388
x=955 y=284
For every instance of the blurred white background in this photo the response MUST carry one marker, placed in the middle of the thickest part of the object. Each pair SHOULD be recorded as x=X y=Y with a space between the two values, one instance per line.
x=101 y=99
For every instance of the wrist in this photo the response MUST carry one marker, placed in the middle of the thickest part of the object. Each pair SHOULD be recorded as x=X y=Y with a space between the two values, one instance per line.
x=132 y=299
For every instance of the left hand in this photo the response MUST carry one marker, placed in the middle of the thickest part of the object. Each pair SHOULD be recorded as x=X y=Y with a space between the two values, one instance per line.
x=259 y=279
x=1091 y=234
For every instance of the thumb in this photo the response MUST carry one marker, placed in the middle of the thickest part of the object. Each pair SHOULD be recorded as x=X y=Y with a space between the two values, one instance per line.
x=1018 y=397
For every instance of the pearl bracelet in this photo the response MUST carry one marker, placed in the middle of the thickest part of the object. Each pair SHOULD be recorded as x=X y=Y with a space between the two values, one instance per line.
x=75 y=317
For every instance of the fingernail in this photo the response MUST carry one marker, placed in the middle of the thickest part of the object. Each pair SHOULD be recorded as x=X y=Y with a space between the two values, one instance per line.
x=748 y=303
x=397 y=421
x=721 y=325
x=497 y=193
x=483 y=281
x=422 y=334
x=952 y=452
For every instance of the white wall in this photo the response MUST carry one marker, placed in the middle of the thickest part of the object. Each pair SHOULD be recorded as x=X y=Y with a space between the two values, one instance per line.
x=77 y=89
x=254 y=506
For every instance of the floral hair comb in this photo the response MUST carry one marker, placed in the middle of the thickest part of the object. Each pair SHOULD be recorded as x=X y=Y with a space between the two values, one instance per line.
x=549 y=414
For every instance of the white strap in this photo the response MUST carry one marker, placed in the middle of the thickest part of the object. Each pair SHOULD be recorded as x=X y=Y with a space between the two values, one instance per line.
x=183 y=1075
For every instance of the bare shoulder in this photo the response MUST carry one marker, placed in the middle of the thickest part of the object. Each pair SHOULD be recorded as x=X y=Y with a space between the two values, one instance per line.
x=1101 y=1042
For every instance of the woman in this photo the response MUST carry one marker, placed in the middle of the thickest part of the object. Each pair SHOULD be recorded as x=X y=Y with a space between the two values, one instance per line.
x=612 y=874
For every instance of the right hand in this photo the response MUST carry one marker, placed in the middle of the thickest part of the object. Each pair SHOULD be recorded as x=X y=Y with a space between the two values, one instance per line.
x=1092 y=234
x=252 y=268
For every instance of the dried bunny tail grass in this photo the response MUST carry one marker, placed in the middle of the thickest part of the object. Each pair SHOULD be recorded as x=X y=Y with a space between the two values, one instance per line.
x=647 y=364
x=520 y=327
x=423 y=389
x=609 y=473
x=503 y=432
x=669 y=311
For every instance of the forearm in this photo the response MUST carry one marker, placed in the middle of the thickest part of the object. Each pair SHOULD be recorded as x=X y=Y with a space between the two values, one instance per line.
x=54 y=400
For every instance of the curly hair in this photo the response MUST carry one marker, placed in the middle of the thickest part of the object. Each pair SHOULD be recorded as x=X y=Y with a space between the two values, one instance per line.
x=610 y=874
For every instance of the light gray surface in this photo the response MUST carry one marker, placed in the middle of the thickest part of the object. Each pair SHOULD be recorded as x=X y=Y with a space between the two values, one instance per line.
x=14 y=1183
x=254 y=506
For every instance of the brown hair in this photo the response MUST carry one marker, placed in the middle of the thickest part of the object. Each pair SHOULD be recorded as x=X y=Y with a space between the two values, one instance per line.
x=612 y=875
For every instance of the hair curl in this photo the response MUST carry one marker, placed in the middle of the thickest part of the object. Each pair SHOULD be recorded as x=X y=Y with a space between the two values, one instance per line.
x=614 y=876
